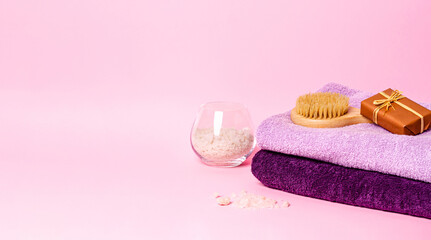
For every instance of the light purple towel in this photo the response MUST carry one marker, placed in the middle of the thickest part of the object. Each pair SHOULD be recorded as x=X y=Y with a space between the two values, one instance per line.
x=363 y=146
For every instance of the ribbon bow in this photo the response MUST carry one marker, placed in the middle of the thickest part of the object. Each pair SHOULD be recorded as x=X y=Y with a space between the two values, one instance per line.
x=381 y=103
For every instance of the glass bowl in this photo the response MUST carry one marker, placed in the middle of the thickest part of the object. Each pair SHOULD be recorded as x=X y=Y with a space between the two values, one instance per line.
x=223 y=134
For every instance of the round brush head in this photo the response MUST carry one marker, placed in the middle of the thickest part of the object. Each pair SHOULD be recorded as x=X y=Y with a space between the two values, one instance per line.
x=322 y=105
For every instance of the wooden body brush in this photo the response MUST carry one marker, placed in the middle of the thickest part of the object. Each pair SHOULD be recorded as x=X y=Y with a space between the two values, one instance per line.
x=325 y=110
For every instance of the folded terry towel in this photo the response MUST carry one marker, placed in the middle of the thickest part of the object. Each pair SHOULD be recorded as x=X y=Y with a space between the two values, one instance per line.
x=363 y=146
x=335 y=183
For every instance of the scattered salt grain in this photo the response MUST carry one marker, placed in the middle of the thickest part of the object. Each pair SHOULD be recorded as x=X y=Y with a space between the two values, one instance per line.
x=249 y=200
x=285 y=204
x=223 y=201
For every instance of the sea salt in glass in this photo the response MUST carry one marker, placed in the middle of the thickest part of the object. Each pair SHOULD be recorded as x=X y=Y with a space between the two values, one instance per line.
x=223 y=134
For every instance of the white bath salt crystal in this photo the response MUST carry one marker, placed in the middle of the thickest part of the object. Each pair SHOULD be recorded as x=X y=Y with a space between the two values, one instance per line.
x=216 y=195
x=285 y=204
x=243 y=203
x=230 y=144
x=269 y=203
x=248 y=200
x=223 y=201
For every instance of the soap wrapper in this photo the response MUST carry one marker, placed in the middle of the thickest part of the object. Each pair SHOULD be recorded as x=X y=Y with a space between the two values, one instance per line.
x=396 y=113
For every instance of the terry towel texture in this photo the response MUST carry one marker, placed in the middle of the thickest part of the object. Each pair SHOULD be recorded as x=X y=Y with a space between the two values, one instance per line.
x=363 y=146
x=335 y=183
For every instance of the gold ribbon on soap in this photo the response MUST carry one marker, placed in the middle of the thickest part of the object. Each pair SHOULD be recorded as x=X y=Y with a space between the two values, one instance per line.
x=387 y=103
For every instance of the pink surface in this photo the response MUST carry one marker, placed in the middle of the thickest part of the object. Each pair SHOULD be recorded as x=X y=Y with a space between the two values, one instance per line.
x=97 y=99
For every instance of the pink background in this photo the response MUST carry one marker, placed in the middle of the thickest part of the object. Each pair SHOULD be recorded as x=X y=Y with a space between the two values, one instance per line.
x=97 y=99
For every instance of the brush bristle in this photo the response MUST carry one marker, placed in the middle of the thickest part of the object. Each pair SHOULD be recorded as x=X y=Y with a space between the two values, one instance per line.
x=322 y=105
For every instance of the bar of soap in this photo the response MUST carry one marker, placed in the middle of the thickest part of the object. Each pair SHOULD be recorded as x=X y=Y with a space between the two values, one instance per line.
x=401 y=117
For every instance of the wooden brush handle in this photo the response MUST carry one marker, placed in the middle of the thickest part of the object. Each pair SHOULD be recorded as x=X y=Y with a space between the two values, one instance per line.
x=353 y=116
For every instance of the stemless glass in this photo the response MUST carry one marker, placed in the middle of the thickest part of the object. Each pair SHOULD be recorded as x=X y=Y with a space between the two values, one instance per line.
x=223 y=134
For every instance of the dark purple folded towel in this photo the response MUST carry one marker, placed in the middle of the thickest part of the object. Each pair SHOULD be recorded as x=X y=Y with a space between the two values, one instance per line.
x=322 y=180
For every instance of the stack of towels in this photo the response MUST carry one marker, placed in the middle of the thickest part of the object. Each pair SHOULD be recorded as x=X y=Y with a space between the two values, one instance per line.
x=362 y=165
